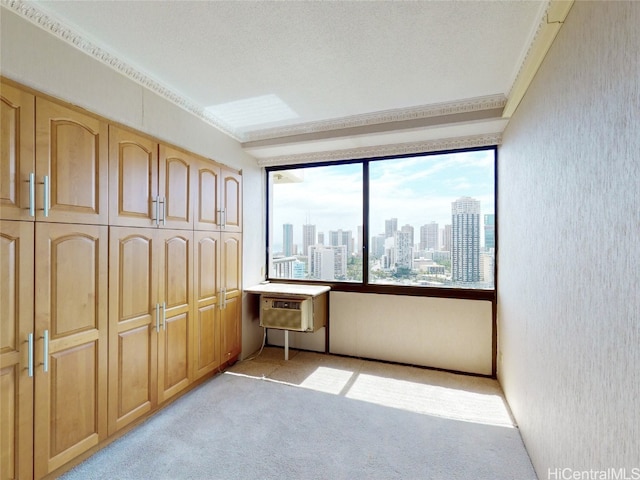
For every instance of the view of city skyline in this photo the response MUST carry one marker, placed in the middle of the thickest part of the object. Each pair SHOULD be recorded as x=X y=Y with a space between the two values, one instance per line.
x=428 y=216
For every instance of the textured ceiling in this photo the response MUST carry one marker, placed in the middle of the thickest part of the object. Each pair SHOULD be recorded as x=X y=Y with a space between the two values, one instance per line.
x=263 y=69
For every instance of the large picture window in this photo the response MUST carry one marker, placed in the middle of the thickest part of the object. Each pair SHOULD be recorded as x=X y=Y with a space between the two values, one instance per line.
x=420 y=222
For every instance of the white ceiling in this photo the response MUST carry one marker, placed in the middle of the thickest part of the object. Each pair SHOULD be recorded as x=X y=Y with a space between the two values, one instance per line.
x=299 y=79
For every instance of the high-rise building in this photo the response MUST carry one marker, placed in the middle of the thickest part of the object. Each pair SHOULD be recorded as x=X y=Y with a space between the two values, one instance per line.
x=320 y=238
x=489 y=231
x=390 y=227
x=341 y=237
x=327 y=262
x=308 y=238
x=402 y=252
x=465 y=240
x=446 y=238
x=359 y=242
x=429 y=237
x=410 y=231
x=376 y=249
x=287 y=239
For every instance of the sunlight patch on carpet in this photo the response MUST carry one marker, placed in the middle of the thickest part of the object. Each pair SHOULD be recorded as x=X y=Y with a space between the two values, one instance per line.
x=455 y=404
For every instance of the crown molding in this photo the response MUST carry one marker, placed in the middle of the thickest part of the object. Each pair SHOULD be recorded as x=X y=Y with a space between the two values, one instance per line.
x=46 y=22
x=488 y=102
x=385 y=150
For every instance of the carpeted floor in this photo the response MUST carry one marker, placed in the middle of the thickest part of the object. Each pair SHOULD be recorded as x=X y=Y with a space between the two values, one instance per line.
x=323 y=417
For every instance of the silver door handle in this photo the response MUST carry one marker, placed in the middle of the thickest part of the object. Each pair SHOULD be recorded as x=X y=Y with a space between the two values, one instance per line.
x=30 y=354
x=45 y=350
x=163 y=201
x=157 y=317
x=224 y=218
x=32 y=194
x=164 y=316
x=155 y=202
x=46 y=195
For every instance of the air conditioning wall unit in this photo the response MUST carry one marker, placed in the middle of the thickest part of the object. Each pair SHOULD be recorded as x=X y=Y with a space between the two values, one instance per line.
x=293 y=313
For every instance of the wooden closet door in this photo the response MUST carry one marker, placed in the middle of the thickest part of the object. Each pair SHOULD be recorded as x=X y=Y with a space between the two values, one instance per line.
x=72 y=153
x=16 y=152
x=16 y=324
x=71 y=367
x=206 y=350
x=133 y=179
x=133 y=297
x=176 y=294
x=231 y=280
x=231 y=198
x=207 y=196
x=174 y=188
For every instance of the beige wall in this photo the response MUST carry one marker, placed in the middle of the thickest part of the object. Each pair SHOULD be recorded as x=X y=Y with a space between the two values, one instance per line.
x=37 y=59
x=569 y=248
x=434 y=332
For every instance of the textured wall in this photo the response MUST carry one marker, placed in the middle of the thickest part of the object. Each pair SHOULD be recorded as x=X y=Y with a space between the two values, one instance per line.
x=569 y=252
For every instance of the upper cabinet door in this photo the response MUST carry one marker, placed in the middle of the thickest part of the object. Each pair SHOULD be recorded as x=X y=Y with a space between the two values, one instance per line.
x=231 y=198
x=16 y=154
x=174 y=188
x=71 y=166
x=207 y=196
x=133 y=179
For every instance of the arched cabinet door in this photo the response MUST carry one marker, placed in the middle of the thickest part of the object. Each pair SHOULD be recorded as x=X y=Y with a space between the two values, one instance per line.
x=17 y=167
x=71 y=166
x=70 y=411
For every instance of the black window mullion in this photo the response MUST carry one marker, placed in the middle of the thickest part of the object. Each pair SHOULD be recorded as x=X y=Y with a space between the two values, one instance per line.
x=365 y=222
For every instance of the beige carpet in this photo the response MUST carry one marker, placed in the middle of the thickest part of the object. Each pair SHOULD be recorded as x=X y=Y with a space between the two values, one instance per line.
x=323 y=417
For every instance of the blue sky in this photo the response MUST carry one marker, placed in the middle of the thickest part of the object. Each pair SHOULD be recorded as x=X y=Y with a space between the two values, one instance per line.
x=415 y=190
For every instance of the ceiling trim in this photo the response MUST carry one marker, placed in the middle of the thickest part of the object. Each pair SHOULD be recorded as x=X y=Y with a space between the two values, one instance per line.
x=476 y=104
x=46 y=22
x=552 y=20
x=386 y=150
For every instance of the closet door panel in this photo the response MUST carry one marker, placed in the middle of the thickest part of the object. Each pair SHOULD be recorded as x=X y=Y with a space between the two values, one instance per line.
x=174 y=186
x=16 y=324
x=207 y=196
x=71 y=165
x=16 y=152
x=71 y=342
x=175 y=290
x=133 y=178
x=206 y=351
x=133 y=306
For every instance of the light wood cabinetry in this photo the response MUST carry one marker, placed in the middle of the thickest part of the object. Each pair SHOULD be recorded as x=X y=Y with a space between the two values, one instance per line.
x=54 y=344
x=231 y=281
x=66 y=181
x=151 y=183
x=71 y=342
x=16 y=349
x=217 y=197
x=17 y=110
x=151 y=319
x=217 y=300
x=120 y=278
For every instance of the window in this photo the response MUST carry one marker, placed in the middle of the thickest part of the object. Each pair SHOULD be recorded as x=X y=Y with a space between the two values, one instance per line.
x=419 y=223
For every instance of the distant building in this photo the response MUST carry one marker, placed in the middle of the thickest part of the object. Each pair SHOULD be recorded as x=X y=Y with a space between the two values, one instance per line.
x=327 y=262
x=465 y=240
x=429 y=237
x=390 y=227
x=308 y=238
x=376 y=249
x=489 y=232
x=342 y=237
x=287 y=242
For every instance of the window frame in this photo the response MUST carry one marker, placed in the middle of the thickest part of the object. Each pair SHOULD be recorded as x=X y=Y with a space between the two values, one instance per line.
x=365 y=286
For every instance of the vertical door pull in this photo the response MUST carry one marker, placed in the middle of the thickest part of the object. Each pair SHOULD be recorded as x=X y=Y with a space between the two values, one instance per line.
x=46 y=195
x=157 y=317
x=164 y=316
x=45 y=350
x=163 y=201
x=32 y=194
x=156 y=203
x=30 y=354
